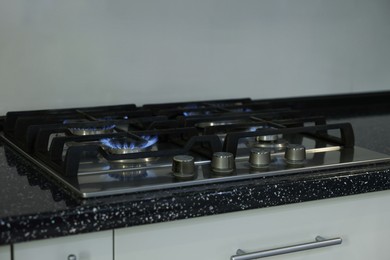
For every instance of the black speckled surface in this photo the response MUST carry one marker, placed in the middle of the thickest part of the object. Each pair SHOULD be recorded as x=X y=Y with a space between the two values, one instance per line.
x=31 y=207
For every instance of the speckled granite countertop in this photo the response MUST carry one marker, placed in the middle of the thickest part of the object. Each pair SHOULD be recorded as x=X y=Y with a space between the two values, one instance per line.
x=31 y=207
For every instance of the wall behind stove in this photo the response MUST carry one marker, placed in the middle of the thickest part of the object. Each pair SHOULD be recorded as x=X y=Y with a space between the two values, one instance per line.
x=64 y=53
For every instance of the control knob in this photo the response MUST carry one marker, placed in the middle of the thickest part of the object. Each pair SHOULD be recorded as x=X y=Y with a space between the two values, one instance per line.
x=295 y=154
x=259 y=157
x=222 y=162
x=183 y=166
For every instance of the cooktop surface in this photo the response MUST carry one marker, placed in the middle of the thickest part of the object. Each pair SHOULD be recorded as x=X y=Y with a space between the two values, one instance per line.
x=124 y=149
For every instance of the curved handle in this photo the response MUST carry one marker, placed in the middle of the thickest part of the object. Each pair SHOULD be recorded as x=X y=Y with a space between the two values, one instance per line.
x=318 y=243
x=72 y=257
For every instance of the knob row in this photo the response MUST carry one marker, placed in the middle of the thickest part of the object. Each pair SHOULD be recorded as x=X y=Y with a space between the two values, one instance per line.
x=294 y=154
x=183 y=166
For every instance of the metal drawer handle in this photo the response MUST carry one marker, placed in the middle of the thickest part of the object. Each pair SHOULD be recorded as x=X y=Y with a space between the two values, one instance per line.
x=320 y=242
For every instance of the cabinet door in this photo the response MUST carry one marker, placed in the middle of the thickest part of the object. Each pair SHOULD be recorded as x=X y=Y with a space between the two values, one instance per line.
x=93 y=246
x=362 y=221
x=5 y=252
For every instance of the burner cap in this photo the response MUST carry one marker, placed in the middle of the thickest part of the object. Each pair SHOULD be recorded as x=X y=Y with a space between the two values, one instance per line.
x=278 y=145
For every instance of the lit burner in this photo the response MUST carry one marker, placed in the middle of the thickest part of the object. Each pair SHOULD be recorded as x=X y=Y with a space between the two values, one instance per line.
x=196 y=113
x=192 y=106
x=92 y=130
x=243 y=109
x=268 y=138
x=126 y=146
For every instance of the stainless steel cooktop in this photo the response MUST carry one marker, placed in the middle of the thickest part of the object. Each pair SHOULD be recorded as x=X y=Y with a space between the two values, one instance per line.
x=122 y=149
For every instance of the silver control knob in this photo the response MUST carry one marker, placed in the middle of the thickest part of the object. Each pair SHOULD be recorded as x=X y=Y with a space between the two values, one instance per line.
x=183 y=166
x=259 y=157
x=222 y=162
x=295 y=154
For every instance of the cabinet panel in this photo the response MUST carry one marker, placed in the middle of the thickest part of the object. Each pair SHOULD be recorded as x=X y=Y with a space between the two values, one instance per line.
x=360 y=220
x=5 y=252
x=93 y=246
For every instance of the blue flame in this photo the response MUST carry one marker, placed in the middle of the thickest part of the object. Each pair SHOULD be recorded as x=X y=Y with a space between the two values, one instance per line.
x=88 y=128
x=253 y=129
x=196 y=113
x=192 y=106
x=115 y=143
x=99 y=128
x=150 y=140
x=244 y=109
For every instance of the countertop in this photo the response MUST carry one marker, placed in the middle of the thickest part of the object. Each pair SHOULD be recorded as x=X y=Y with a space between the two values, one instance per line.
x=33 y=207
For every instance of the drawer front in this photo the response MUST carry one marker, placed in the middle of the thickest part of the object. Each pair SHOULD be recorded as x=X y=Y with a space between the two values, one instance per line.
x=5 y=252
x=361 y=221
x=92 y=246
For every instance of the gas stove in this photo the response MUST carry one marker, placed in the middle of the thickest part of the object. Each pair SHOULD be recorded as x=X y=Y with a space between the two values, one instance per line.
x=111 y=150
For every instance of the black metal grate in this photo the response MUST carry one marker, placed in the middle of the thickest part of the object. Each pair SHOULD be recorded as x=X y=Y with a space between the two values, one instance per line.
x=188 y=126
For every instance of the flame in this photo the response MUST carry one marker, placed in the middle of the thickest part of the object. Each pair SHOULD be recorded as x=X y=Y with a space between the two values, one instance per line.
x=196 y=113
x=150 y=140
x=88 y=128
x=115 y=143
x=98 y=128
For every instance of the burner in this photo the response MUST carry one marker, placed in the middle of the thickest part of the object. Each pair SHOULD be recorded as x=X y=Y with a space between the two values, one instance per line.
x=268 y=138
x=273 y=141
x=278 y=144
x=92 y=130
x=196 y=113
x=127 y=146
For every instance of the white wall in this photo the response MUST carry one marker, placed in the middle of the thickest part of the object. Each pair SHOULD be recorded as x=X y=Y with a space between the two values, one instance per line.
x=64 y=53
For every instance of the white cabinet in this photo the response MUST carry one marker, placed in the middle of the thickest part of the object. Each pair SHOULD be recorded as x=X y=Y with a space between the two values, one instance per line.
x=362 y=221
x=93 y=246
x=5 y=252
